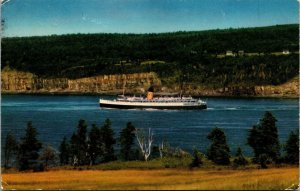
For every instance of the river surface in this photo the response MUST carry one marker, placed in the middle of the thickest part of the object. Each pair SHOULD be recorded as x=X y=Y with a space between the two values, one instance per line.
x=56 y=116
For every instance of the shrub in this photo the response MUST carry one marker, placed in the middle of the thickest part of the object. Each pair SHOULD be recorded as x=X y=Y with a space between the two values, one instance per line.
x=197 y=159
x=240 y=159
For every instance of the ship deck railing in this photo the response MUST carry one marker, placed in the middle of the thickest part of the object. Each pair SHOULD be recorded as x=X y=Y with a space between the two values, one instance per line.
x=160 y=101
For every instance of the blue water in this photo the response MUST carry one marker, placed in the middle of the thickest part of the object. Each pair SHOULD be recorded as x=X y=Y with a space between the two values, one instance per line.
x=56 y=116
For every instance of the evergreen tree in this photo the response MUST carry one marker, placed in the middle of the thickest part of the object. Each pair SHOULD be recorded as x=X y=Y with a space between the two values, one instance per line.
x=127 y=137
x=292 y=148
x=95 y=144
x=263 y=138
x=74 y=148
x=64 y=152
x=10 y=149
x=240 y=159
x=107 y=137
x=29 y=148
x=263 y=160
x=219 y=150
x=79 y=143
x=49 y=155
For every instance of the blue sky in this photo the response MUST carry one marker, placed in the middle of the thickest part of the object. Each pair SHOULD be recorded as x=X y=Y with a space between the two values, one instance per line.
x=46 y=17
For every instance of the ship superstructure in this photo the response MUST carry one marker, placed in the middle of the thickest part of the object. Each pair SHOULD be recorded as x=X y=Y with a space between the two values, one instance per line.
x=150 y=101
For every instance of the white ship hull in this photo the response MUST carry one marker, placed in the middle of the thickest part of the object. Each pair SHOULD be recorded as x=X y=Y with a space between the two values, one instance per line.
x=155 y=104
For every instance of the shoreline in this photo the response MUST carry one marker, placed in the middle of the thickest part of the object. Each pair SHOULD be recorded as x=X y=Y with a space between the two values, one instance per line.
x=17 y=82
x=107 y=93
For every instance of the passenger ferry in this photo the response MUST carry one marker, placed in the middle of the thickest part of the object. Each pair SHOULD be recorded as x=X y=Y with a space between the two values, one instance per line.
x=161 y=102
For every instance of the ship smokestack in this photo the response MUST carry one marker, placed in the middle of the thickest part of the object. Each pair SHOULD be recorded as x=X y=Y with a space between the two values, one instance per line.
x=150 y=93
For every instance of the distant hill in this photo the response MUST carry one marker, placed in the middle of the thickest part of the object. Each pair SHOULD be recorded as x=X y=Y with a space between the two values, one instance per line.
x=195 y=57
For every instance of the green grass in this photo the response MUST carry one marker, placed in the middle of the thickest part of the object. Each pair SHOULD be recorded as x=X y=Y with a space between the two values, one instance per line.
x=166 y=162
x=158 y=163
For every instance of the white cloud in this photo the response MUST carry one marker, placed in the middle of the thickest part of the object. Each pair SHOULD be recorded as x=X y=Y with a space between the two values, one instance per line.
x=96 y=21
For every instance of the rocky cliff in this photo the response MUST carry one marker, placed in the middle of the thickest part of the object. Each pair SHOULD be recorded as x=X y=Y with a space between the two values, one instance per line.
x=13 y=81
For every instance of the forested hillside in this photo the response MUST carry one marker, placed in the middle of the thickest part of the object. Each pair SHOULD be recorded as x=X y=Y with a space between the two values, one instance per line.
x=180 y=56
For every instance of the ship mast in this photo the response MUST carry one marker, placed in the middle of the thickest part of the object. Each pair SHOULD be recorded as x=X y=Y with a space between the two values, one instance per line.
x=124 y=84
x=124 y=77
x=181 y=84
x=182 y=80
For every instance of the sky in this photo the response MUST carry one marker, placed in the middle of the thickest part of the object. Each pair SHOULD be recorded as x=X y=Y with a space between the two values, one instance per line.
x=47 y=17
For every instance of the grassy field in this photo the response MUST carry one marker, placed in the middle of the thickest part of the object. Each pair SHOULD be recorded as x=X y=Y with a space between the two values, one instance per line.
x=157 y=179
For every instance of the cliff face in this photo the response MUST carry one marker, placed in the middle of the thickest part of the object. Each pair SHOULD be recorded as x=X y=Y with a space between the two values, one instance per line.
x=13 y=81
x=24 y=82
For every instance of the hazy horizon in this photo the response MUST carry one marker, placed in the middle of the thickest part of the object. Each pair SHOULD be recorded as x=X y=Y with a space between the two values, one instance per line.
x=148 y=33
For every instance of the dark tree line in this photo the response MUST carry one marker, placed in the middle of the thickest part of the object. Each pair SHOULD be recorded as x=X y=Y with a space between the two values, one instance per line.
x=263 y=138
x=97 y=145
x=84 y=147
x=80 y=55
